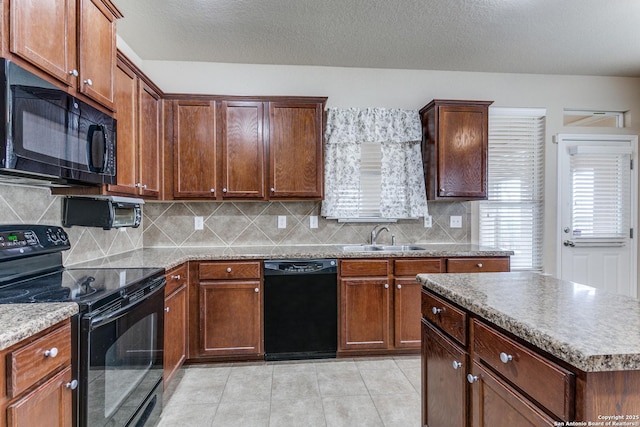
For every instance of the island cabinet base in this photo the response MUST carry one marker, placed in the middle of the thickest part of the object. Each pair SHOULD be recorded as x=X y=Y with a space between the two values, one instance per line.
x=608 y=394
x=484 y=376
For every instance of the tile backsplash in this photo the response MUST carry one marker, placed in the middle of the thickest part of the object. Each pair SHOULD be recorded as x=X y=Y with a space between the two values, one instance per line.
x=171 y=224
x=256 y=224
x=36 y=205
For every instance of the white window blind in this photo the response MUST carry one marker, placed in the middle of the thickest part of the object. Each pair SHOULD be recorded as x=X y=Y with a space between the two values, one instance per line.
x=600 y=186
x=370 y=180
x=512 y=217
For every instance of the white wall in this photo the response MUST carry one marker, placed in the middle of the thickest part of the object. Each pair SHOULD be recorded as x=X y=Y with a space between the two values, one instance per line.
x=412 y=89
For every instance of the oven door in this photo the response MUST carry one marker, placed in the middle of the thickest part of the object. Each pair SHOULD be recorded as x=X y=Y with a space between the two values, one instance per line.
x=121 y=361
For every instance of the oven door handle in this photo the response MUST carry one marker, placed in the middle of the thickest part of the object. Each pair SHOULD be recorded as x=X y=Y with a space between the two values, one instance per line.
x=114 y=315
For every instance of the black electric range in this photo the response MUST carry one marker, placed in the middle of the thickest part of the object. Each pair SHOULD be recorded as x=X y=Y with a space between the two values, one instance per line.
x=118 y=335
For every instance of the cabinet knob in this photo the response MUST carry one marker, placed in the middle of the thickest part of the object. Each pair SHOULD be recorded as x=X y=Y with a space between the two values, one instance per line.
x=228 y=269
x=73 y=73
x=273 y=190
x=472 y=378
x=213 y=190
x=88 y=82
x=166 y=309
x=53 y=352
x=176 y=277
x=399 y=286
x=442 y=190
x=457 y=365
x=72 y=385
x=224 y=190
x=256 y=290
x=144 y=186
x=386 y=286
x=479 y=265
x=436 y=310
x=505 y=358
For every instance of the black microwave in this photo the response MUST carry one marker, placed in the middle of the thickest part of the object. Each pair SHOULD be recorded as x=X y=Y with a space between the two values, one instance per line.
x=49 y=135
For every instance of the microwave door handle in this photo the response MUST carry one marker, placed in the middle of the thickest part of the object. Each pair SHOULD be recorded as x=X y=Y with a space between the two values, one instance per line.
x=90 y=148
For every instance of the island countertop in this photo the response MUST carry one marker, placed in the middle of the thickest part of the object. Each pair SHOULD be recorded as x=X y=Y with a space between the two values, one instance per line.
x=590 y=329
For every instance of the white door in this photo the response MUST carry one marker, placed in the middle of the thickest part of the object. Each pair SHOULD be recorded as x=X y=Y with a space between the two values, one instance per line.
x=597 y=211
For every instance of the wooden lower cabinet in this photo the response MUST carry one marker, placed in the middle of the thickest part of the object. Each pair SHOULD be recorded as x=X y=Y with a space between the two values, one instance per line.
x=36 y=389
x=229 y=301
x=444 y=367
x=364 y=314
x=175 y=322
x=495 y=403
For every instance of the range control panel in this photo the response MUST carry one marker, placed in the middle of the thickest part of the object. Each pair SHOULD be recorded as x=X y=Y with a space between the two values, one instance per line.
x=24 y=240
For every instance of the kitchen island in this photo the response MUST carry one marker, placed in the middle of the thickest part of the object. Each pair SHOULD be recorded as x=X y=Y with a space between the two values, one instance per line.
x=527 y=349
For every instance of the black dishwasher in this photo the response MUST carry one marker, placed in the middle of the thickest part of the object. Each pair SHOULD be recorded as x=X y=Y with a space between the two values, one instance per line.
x=300 y=309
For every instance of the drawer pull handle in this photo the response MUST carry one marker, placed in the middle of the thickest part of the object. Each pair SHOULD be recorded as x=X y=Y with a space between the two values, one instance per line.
x=479 y=265
x=436 y=310
x=53 y=352
x=72 y=385
x=472 y=378
x=176 y=277
x=505 y=358
x=457 y=365
x=228 y=269
x=256 y=290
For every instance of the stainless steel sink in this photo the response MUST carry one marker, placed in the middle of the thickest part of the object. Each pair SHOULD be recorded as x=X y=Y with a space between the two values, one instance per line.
x=381 y=248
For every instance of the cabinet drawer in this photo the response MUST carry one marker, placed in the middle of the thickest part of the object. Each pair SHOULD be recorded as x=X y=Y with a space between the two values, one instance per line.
x=542 y=380
x=176 y=278
x=412 y=267
x=477 y=265
x=38 y=359
x=230 y=270
x=364 y=268
x=445 y=316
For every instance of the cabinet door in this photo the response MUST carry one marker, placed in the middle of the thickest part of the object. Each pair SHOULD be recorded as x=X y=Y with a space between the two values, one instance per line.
x=295 y=150
x=230 y=318
x=126 y=89
x=194 y=146
x=444 y=394
x=48 y=405
x=149 y=146
x=242 y=144
x=364 y=314
x=175 y=332
x=462 y=151
x=97 y=51
x=495 y=403
x=43 y=32
x=407 y=306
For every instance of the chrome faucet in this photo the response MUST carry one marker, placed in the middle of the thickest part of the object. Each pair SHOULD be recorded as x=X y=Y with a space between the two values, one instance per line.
x=375 y=232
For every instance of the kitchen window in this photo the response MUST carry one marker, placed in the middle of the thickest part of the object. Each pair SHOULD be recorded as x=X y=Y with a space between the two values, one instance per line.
x=373 y=165
x=512 y=217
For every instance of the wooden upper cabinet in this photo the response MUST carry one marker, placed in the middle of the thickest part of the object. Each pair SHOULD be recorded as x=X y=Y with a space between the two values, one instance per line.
x=242 y=149
x=150 y=142
x=454 y=149
x=295 y=150
x=97 y=50
x=194 y=149
x=126 y=100
x=43 y=32
x=139 y=133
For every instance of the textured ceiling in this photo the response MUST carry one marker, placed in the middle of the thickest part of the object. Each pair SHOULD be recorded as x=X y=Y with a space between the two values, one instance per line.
x=585 y=37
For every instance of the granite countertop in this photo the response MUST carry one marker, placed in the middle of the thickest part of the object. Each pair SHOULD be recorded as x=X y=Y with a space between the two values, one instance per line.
x=591 y=329
x=171 y=257
x=20 y=321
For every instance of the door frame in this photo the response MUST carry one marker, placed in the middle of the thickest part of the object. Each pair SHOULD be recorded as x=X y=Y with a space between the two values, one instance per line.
x=633 y=140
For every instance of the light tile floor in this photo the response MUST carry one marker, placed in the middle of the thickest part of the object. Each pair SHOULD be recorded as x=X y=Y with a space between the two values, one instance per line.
x=330 y=392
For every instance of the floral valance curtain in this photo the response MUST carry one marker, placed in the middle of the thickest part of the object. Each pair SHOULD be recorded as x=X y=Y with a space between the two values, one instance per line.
x=402 y=181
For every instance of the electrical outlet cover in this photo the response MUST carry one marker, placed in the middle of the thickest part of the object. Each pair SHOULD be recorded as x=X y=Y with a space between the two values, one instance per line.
x=198 y=222
x=313 y=221
x=428 y=221
x=455 y=221
x=282 y=221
